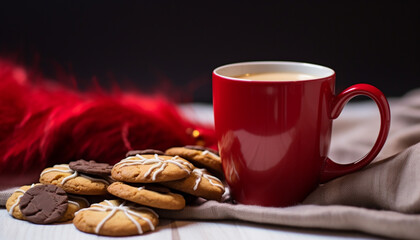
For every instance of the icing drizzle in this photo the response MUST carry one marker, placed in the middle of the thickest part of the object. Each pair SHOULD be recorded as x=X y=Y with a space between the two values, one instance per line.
x=157 y=163
x=74 y=203
x=110 y=207
x=207 y=152
x=200 y=174
x=77 y=198
x=74 y=174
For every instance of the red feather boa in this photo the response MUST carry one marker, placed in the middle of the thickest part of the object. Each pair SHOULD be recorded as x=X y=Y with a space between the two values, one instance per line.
x=44 y=124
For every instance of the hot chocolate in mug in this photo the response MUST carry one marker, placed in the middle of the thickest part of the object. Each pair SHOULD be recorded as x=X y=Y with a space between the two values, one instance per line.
x=273 y=123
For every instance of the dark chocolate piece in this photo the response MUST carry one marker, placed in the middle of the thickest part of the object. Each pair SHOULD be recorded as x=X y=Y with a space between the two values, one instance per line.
x=91 y=167
x=143 y=152
x=43 y=204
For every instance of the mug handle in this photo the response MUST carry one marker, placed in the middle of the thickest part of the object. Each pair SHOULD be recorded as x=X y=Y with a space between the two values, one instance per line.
x=333 y=170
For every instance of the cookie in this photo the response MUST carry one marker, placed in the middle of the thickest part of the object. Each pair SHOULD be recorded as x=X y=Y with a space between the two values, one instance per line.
x=151 y=168
x=75 y=203
x=200 y=184
x=72 y=181
x=199 y=156
x=43 y=204
x=146 y=196
x=202 y=148
x=144 y=152
x=115 y=218
x=91 y=167
x=12 y=204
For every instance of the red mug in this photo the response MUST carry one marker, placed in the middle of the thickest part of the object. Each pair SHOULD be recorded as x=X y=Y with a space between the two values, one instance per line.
x=274 y=136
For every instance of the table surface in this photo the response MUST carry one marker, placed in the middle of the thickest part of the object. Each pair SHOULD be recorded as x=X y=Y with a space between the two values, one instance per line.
x=13 y=229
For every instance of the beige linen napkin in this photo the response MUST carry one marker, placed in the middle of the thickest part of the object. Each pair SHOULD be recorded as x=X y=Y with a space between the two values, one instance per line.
x=382 y=199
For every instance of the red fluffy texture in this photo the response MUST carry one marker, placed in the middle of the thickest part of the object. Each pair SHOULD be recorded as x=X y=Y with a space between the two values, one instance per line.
x=45 y=124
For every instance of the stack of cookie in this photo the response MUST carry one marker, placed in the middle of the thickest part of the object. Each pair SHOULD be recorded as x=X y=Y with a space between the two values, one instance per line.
x=61 y=192
x=144 y=178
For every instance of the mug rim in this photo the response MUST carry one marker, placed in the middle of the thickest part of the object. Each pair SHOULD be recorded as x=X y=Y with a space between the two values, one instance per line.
x=328 y=70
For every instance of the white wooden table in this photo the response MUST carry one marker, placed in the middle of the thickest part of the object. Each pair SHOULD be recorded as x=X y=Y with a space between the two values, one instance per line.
x=13 y=229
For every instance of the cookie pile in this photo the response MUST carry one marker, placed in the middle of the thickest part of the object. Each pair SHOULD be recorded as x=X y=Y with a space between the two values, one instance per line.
x=38 y=203
x=144 y=179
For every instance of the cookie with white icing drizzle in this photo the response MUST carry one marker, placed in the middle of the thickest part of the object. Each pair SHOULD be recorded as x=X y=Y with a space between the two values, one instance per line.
x=147 y=197
x=144 y=152
x=73 y=181
x=199 y=156
x=44 y=204
x=75 y=203
x=116 y=218
x=150 y=168
x=12 y=204
x=200 y=183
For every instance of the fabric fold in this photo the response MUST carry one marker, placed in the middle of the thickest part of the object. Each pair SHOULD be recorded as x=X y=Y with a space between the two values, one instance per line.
x=378 y=222
x=390 y=184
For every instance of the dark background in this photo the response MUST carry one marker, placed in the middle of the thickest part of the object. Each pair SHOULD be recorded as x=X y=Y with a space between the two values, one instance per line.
x=173 y=46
